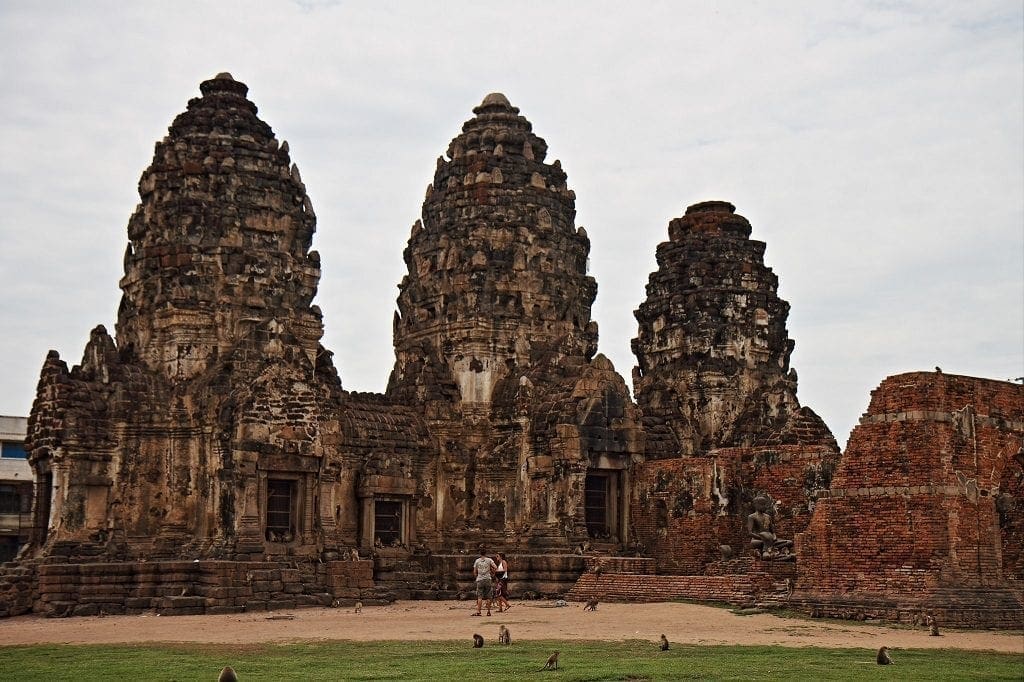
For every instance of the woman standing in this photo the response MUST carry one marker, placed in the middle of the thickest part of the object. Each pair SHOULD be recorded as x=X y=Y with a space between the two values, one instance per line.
x=501 y=576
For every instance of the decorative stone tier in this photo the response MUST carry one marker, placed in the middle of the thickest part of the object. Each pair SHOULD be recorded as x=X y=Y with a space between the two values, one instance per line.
x=540 y=574
x=198 y=587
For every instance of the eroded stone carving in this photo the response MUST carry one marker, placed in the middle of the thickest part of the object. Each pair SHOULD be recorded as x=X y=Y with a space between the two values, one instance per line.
x=760 y=528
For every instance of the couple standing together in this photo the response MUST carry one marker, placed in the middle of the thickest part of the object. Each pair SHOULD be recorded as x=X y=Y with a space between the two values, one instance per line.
x=491 y=582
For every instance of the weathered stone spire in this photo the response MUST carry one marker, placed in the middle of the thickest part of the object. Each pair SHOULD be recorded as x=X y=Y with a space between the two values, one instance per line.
x=712 y=346
x=497 y=269
x=220 y=243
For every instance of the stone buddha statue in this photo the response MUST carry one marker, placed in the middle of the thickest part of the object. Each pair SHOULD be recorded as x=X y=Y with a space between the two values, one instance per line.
x=760 y=527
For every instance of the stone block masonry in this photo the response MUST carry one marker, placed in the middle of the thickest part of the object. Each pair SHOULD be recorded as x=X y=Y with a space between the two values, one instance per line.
x=196 y=587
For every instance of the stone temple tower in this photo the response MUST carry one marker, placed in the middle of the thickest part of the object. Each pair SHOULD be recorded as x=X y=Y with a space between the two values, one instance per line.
x=720 y=412
x=497 y=269
x=220 y=242
x=712 y=347
x=494 y=342
x=202 y=430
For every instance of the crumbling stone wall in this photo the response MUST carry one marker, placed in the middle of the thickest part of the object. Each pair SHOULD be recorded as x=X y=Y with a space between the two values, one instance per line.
x=918 y=516
x=689 y=507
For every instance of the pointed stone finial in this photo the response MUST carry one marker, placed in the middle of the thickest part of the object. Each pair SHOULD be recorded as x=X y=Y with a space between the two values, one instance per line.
x=496 y=98
x=223 y=82
x=495 y=103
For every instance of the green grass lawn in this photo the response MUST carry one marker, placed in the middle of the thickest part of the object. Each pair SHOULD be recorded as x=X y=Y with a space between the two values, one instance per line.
x=632 y=660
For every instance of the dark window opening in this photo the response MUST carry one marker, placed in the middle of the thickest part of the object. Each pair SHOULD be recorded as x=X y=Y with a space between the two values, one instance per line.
x=280 y=510
x=387 y=523
x=44 y=491
x=596 y=505
x=9 y=549
x=10 y=500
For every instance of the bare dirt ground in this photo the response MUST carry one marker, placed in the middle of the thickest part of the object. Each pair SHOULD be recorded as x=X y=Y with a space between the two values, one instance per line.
x=426 y=620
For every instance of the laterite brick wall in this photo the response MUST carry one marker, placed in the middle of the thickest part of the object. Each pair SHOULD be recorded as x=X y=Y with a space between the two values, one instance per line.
x=925 y=508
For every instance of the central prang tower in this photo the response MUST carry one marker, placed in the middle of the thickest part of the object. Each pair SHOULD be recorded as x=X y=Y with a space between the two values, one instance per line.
x=494 y=342
x=497 y=270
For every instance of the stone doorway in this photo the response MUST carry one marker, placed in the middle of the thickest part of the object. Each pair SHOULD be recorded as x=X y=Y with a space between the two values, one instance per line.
x=602 y=505
x=280 y=521
x=43 y=506
x=388 y=526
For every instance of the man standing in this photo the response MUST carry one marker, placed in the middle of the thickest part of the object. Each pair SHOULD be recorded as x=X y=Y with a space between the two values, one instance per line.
x=483 y=571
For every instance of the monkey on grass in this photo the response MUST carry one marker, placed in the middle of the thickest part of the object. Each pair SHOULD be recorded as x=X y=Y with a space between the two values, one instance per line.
x=664 y=643
x=883 y=657
x=504 y=635
x=227 y=675
x=478 y=641
x=552 y=663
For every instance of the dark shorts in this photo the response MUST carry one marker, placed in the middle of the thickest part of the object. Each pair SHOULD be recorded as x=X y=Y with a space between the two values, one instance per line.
x=484 y=589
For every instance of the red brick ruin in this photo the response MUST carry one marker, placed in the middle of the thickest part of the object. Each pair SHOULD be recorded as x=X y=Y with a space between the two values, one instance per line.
x=206 y=459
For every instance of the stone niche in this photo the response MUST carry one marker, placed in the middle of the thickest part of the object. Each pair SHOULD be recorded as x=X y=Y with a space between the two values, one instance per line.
x=925 y=511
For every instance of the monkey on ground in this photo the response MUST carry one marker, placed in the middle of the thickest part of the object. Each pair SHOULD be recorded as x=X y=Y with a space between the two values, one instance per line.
x=664 y=643
x=552 y=663
x=883 y=657
x=228 y=675
x=933 y=626
x=478 y=641
x=359 y=607
x=591 y=605
x=504 y=635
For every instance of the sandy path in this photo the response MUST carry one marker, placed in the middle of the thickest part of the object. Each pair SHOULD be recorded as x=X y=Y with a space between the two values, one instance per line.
x=417 y=620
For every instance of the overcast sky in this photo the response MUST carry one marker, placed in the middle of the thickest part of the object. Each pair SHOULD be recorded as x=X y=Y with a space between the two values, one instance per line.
x=876 y=147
